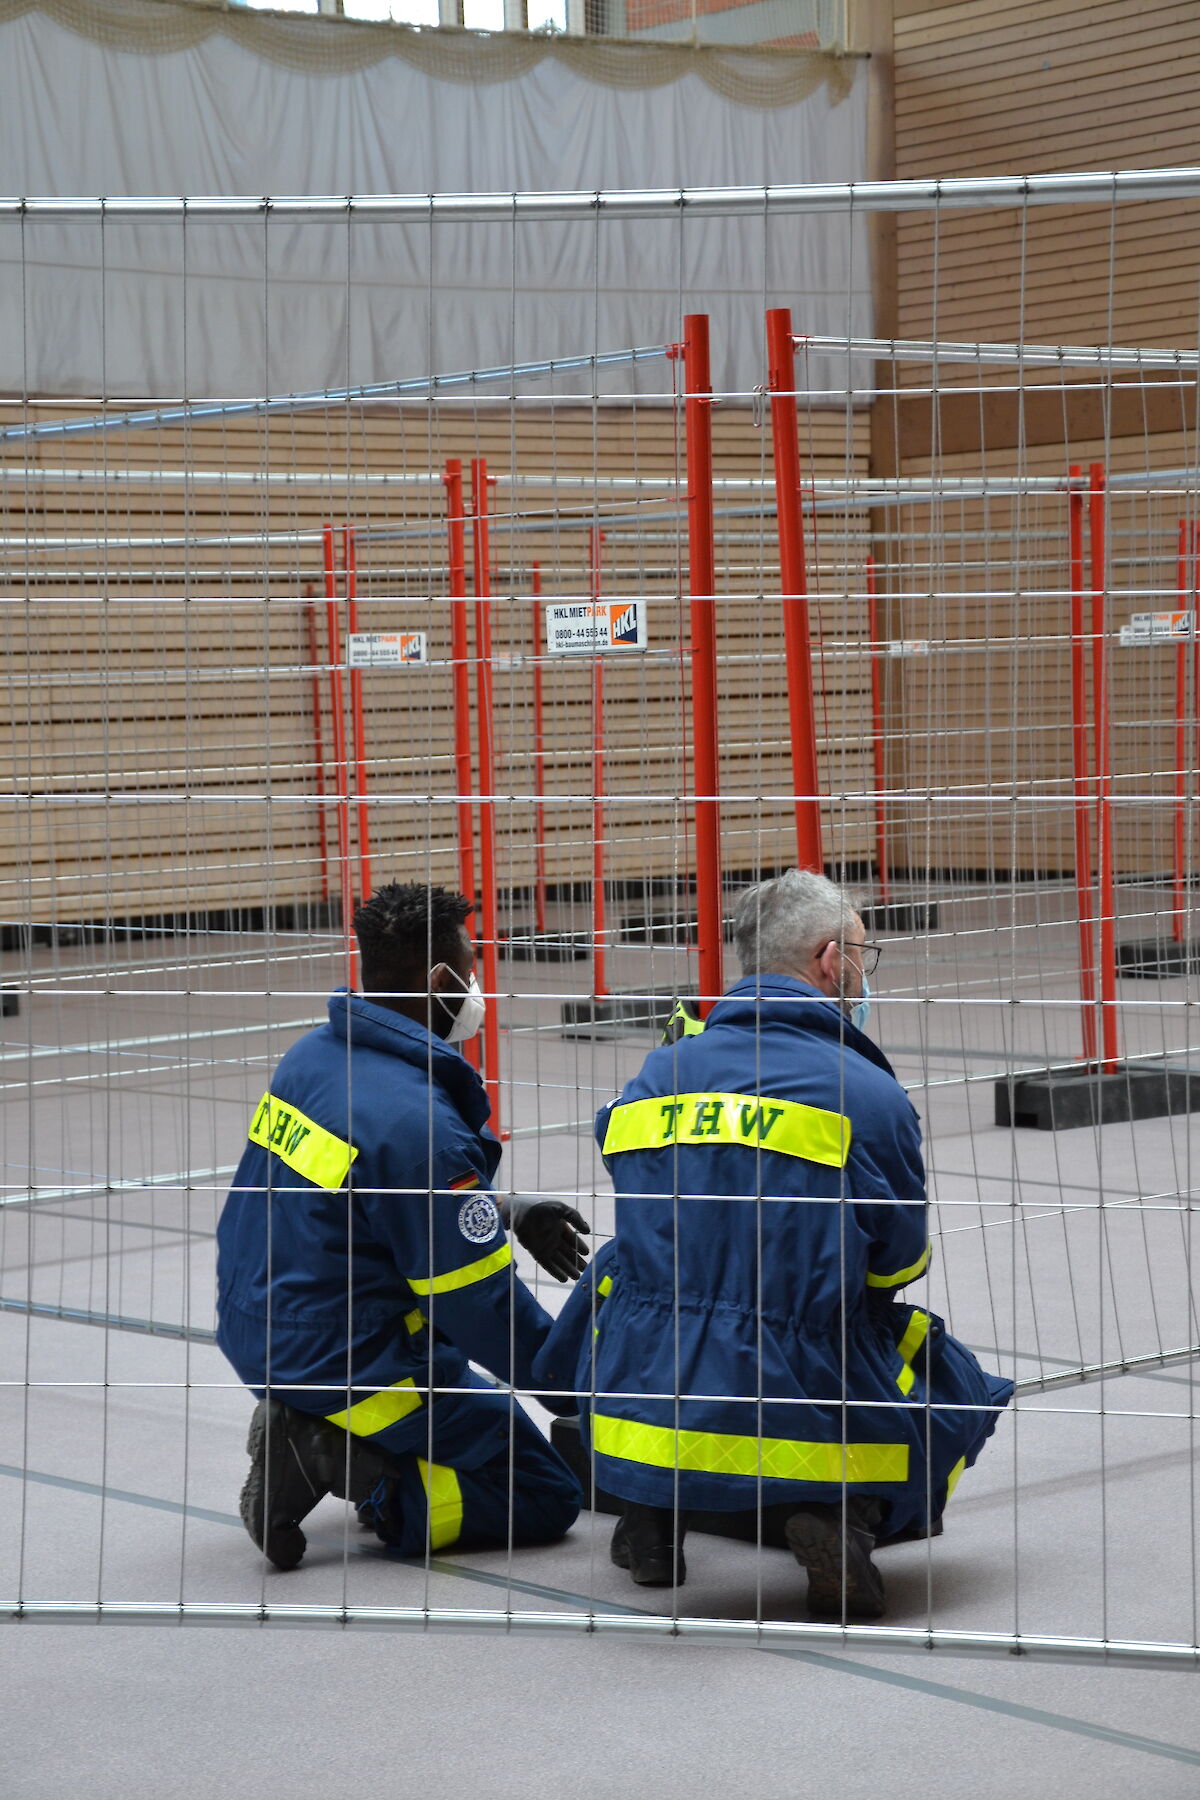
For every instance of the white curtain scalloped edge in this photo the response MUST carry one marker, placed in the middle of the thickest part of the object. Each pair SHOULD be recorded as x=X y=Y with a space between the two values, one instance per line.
x=317 y=45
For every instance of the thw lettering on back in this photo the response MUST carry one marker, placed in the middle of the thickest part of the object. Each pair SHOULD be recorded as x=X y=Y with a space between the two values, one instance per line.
x=709 y=1114
x=280 y=1126
x=758 y=1121
x=670 y=1110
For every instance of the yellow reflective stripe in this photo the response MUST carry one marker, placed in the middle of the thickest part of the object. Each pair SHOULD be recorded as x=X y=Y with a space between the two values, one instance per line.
x=378 y=1411
x=603 y=1289
x=301 y=1143
x=952 y=1478
x=689 y=1024
x=902 y=1275
x=464 y=1277
x=414 y=1321
x=444 y=1495
x=752 y=1120
x=909 y=1345
x=774 y=1459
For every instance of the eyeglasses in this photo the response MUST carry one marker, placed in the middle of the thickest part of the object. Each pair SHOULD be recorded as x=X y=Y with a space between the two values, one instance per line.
x=868 y=954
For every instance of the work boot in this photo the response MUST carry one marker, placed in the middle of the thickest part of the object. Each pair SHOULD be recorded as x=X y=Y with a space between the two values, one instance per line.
x=295 y=1460
x=835 y=1546
x=648 y=1541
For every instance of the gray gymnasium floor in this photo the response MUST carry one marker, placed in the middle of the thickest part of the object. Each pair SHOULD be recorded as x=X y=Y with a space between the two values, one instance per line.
x=123 y=1448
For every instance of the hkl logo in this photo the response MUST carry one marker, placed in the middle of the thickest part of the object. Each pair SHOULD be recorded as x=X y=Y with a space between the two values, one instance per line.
x=623 y=624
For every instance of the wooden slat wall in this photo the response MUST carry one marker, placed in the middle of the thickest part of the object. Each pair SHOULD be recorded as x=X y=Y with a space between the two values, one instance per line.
x=158 y=752
x=1036 y=86
x=1013 y=87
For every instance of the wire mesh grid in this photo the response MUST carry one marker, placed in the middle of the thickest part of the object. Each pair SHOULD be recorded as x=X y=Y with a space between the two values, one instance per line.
x=265 y=654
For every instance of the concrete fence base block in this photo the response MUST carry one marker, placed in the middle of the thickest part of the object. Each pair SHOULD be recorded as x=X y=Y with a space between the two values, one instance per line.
x=901 y=916
x=1155 y=959
x=1062 y=1099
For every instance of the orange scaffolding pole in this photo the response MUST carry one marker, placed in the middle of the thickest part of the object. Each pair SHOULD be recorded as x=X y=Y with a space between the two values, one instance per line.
x=697 y=380
x=1079 y=760
x=539 y=758
x=599 y=919
x=487 y=781
x=340 y=760
x=1196 y=643
x=1107 y=897
x=463 y=770
x=310 y=615
x=358 y=721
x=781 y=379
x=1179 y=886
x=881 y=824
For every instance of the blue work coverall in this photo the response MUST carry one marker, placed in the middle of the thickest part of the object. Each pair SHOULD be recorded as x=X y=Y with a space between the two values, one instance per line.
x=743 y=1336
x=361 y=1260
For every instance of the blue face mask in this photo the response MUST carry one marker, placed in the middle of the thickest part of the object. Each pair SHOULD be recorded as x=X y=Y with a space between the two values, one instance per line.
x=860 y=1012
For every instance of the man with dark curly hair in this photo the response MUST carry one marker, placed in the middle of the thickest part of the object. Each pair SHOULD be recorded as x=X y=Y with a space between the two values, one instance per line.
x=362 y=1260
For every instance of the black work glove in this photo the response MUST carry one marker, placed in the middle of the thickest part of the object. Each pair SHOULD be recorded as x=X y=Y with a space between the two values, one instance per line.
x=549 y=1230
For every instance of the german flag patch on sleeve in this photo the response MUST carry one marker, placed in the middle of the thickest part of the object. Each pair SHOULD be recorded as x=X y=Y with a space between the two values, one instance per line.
x=460 y=1182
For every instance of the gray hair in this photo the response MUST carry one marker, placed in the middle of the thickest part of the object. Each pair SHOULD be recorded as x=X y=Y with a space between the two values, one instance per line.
x=779 y=924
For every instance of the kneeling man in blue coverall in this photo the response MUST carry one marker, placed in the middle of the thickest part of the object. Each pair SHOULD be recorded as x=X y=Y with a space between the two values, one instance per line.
x=744 y=1336
x=362 y=1260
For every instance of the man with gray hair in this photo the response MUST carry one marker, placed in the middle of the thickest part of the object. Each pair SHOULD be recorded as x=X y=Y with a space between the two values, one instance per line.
x=752 y=1353
x=803 y=926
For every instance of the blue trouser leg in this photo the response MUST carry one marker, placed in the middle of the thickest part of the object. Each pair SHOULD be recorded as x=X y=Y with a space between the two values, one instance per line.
x=524 y=1495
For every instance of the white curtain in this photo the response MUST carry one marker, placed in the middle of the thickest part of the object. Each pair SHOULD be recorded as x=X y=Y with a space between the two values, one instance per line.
x=236 y=308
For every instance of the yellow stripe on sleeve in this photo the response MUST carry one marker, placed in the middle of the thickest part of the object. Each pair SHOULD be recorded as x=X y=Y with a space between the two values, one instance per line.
x=301 y=1143
x=464 y=1277
x=908 y=1347
x=901 y=1275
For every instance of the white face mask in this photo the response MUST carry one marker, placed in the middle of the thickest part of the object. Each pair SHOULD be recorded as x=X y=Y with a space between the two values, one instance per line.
x=469 y=1017
x=859 y=1011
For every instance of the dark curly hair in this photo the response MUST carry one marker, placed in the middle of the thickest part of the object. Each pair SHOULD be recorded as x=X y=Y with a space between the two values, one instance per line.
x=406 y=929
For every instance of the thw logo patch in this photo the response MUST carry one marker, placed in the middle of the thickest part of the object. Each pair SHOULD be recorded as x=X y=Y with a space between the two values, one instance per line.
x=478 y=1219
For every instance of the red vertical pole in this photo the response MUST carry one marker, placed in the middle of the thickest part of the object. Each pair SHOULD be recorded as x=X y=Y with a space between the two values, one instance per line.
x=1178 y=897
x=703 y=620
x=456 y=532
x=1107 y=883
x=487 y=780
x=341 y=762
x=599 y=917
x=358 y=721
x=881 y=831
x=539 y=759
x=1195 y=604
x=781 y=377
x=310 y=615
x=1079 y=763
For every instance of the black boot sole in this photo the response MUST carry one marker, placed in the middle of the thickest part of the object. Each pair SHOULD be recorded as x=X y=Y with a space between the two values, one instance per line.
x=842 y=1579
x=651 y=1568
x=273 y=1521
